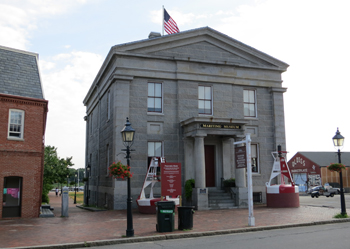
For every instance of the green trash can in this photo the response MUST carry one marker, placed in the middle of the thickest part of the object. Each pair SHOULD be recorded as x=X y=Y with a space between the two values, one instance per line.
x=165 y=216
x=185 y=217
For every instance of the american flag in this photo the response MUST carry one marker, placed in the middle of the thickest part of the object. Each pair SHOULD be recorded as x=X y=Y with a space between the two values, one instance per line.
x=170 y=25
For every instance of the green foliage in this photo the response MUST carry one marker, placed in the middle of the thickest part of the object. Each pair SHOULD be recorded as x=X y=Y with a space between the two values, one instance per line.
x=230 y=183
x=336 y=167
x=189 y=185
x=340 y=216
x=55 y=169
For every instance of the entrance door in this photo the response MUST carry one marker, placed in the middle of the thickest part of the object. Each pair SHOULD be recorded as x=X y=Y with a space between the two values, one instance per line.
x=209 y=151
x=11 y=206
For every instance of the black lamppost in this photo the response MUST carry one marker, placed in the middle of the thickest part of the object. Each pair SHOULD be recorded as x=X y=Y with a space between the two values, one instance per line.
x=338 y=141
x=68 y=181
x=75 y=187
x=87 y=187
x=128 y=139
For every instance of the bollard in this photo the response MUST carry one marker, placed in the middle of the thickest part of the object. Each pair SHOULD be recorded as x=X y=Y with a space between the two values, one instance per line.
x=64 y=202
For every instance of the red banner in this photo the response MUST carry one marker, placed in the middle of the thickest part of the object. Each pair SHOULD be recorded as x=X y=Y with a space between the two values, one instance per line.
x=171 y=179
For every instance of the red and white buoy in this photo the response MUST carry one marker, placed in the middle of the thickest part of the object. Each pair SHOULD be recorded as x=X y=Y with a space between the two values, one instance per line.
x=147 y=205
x=281 y=195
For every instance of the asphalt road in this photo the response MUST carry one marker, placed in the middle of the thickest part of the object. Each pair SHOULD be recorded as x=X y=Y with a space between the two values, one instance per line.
x=312 y=237
x=323 y=201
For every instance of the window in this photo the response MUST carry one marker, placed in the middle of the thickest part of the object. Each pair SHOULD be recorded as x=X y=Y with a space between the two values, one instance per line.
x=154 y=101
x=154 y=149
x=249 y=103
x=107 y=158
x=108 y=105
x=255 y=158
x=91 y=128
x=16 y=123
x=204 y=100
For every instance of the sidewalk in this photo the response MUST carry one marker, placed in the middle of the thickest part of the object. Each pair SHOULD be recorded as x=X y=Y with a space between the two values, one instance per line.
x=109 y=227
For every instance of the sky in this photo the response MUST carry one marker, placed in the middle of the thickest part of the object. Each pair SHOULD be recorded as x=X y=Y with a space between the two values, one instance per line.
x=73 y=37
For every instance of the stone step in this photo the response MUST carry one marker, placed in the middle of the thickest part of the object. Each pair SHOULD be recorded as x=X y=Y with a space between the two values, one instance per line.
x=219 y=199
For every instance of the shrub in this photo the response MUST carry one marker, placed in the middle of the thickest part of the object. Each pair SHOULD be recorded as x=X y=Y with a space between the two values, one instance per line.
x=189 y=185
x=229 y=183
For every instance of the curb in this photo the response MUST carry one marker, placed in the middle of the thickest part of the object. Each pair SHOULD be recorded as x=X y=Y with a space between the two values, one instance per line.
x=180 y=235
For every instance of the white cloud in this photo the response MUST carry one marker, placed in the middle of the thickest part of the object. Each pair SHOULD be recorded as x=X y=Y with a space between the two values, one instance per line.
x=65 y=89
x=18 y=18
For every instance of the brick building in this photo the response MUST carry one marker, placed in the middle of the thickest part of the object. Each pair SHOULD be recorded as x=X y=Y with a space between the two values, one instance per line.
x=189 y=96
x=23 y=112
x=309 y=168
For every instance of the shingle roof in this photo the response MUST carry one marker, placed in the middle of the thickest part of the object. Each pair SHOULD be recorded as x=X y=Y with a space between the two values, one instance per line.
x=326 y=158
x=19 y=73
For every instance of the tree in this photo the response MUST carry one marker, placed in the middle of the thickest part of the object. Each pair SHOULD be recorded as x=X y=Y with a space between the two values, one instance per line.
x=55 y=170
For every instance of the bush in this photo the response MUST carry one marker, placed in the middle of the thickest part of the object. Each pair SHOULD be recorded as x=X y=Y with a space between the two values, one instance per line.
x=340 y=216
x=230 y=183
x=189 y=185
x=45 y=193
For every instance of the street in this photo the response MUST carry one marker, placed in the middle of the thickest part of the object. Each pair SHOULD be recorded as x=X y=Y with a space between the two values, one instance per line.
x=322 y=201
x=313 y=237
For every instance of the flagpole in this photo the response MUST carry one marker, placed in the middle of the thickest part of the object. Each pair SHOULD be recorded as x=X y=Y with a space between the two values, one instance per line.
x=163 y=22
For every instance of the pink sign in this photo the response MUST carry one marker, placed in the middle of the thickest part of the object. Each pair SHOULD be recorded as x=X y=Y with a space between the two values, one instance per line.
x=171 y=179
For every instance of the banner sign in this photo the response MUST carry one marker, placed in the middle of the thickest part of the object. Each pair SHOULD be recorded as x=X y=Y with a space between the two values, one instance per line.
x=171 y=179
x=221 y=126
x=241 y=157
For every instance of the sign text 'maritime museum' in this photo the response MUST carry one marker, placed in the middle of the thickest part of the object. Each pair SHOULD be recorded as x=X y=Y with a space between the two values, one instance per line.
x=221 y=126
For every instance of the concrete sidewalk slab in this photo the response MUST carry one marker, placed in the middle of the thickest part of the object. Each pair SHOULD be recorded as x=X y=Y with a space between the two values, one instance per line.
x=84 y=227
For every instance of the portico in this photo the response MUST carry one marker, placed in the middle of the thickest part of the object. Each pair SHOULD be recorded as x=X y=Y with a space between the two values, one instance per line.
x=209 y=154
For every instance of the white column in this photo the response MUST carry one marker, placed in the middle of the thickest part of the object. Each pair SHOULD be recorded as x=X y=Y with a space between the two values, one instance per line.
x=199 y=161
x=189 y=159
x=226 y=158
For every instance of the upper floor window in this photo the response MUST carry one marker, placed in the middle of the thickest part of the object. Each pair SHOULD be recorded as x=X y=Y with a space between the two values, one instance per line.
x=154 y=101
x=204 y=100
x=249 y=103
x=107 y=158
x=91 y=124
x=108 y=105
x=16 y=124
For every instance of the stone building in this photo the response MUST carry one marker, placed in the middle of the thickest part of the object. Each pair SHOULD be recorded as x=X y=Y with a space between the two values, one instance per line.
x=189 y=96
x=23 y=112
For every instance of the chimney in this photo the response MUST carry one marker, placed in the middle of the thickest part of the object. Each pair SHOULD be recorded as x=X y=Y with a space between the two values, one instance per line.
x=153 y=35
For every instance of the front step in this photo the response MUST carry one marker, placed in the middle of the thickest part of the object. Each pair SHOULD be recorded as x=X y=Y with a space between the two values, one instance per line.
x=219 y=199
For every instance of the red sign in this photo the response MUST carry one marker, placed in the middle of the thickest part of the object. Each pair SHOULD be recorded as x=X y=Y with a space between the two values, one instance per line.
x=171 y=179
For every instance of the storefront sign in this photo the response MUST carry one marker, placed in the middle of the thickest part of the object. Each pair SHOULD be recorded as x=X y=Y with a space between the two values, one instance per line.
x=171 y=179
x=221 y=126
x=241 y=157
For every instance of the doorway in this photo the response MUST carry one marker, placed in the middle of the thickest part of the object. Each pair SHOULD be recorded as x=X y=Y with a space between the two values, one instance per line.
x=11 y=206
x=209 y=151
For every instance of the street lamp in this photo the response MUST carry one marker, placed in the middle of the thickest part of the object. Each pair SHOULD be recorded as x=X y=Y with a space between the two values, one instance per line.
x=87 y=187
x=75 y=187
x=338 y=141
x=128 y=139
x=68 y=181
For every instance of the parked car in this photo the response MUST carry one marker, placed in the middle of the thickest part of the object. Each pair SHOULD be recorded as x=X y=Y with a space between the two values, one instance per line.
x=321 y=190
x=334 y=185
x=316 y=188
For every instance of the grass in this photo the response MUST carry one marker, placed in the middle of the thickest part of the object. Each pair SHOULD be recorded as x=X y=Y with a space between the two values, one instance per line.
x=340 y=216
x=80 y=197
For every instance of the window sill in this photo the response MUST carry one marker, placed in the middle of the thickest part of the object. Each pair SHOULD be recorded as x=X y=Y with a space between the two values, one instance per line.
x=251 y=118
x=15 y=139
x=155 y=113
